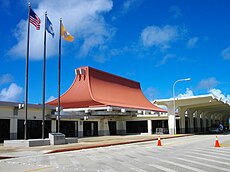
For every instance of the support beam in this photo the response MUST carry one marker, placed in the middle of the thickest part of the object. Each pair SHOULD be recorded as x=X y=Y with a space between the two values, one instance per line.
x=171 y=121
x=182 y=119
x=191 y=120
x=198 y=120
x=121 y=127
x=104 y=127
x=53 y=126
x=13 y=128
x=80 y=128
x=149 y=126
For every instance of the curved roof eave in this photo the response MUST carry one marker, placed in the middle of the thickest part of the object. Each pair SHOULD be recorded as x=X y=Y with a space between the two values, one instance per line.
x=93 y=87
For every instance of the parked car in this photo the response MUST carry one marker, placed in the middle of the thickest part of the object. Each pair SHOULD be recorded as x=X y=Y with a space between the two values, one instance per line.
x=217 y=128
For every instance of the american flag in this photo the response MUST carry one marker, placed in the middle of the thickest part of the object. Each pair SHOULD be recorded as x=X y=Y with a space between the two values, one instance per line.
x=34 y=19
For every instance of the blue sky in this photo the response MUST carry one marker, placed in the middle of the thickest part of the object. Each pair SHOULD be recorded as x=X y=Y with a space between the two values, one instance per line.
x=154 y=42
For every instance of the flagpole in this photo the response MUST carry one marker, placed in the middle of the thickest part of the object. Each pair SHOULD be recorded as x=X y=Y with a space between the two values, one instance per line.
x=59 y=77
x=26 y=75
x=44 y=81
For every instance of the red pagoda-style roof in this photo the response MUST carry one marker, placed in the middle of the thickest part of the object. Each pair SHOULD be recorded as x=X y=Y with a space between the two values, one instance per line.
x=92 y=88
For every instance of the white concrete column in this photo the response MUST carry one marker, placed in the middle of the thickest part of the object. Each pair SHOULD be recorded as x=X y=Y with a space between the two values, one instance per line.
x=204 y=122
x=198 y=121
x=209 y=120
x=76 y=128
x=103 y=127
x=182 y=120
x=191 y=120
x=149 y=126
x=53 y=126
x=13 y=128
x=121 y=127
x=206 y=117
x=80 y=128
x=171 y=121
x=172 y=124
x=212 y=119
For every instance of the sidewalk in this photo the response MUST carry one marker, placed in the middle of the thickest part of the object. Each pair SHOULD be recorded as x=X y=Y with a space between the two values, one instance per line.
x=83 y=143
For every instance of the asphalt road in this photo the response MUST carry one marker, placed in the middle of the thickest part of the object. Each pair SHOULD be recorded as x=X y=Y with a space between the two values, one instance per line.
x=192 y=153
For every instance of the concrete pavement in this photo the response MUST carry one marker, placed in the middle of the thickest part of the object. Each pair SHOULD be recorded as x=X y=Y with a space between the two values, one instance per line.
x=194 y=153
x=83 y=143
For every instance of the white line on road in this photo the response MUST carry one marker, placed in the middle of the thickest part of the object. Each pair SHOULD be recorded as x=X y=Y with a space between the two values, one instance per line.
x=211 y=160
x=210 y=156
x=203 y=164
x=162 y=168
x=216 y=150
x=183 y=166
x=211 y=152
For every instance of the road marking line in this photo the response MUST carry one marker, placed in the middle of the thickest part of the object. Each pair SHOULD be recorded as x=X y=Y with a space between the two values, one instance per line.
x=213 y=149
x=183 y=166
x=194 y=139
x=210 y=156
x=216 y=161
x=39 y=169
x=210 y=152
x=162 y=168
x=203 y=164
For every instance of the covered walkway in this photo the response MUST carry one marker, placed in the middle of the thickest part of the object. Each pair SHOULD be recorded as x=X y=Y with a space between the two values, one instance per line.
x=197 y=113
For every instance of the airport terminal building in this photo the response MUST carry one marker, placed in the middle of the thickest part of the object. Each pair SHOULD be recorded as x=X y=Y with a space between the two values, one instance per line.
x=99 y=103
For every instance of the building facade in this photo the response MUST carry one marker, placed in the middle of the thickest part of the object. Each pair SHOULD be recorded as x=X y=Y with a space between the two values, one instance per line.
x=99 y=103
x=96 y=104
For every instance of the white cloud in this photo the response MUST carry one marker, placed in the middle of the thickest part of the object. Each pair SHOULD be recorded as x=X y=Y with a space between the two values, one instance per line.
x=151 y=93
x=82 y=18
x=208 y=83
x=161 y=37
x=219 y=95
x=50 y=98
x=188 y=93
x=192 y=42
x=226 y=53
x=128 y=4
x=100 y=59
x=12 y=93
x=6 y=78
x=126 y=7
x=176 y=12
x=165 y=59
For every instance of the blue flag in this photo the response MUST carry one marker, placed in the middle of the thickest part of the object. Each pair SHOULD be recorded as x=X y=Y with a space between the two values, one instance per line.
x=49 y=27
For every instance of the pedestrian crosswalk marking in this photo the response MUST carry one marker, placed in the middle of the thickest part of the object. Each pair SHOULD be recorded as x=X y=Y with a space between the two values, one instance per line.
x=215 y=153
x=183 y=166
x=203 y=164
x=211 y=160
x=162 y=168
x=209 y=156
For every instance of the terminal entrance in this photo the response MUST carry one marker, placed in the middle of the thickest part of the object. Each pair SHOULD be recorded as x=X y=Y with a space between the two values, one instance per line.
x=112 y=128
x=4 y=130
x=90 y=128
x=160 y=124
x=136 y=127
x=34 y=129
x=68 y=128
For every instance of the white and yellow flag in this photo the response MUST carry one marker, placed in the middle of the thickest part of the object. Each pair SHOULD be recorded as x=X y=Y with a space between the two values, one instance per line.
x=65 y=34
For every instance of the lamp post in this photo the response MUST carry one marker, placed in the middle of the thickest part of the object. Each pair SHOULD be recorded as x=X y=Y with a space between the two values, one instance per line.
x=174 y=102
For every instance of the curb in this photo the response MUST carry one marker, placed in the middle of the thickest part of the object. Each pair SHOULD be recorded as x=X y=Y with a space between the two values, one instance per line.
x=102 y=145
x=113 y=144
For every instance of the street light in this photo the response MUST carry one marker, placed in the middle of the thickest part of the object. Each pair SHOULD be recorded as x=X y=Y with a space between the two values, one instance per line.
x=174 y=102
